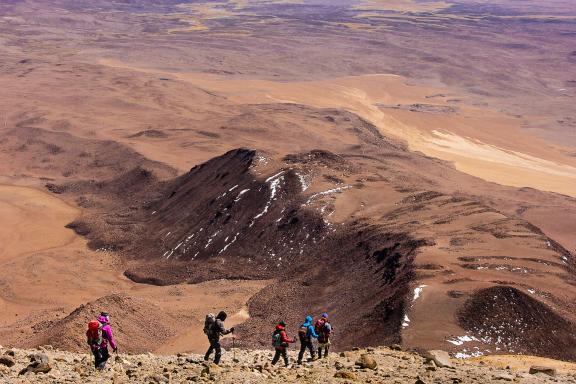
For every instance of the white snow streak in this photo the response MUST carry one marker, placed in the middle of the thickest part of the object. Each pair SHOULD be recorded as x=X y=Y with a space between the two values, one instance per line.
x=230 y=243
x=333 y=190
x=274 y=184
x=273 y=177
x=305 y=185
x=418 y=291
x=237 y=199
x=462 y=339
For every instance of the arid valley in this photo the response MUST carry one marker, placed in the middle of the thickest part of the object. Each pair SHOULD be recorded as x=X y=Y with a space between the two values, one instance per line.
x=407 y=166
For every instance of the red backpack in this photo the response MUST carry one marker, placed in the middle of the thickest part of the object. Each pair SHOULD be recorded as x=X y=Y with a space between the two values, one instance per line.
x=324 y=331
x=94 y=333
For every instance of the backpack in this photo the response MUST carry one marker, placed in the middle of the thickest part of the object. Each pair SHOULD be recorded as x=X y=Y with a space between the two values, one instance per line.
x=209 y=323
x=277 y=339
x=319 y=326
x=324 y=332
x=94 y=333
x=303 y=333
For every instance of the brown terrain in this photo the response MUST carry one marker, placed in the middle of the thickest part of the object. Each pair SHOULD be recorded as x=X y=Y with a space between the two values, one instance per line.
x=407 y=166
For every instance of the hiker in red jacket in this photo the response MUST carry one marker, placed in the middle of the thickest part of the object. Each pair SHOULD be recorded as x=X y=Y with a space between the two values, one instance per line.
x=280 y=341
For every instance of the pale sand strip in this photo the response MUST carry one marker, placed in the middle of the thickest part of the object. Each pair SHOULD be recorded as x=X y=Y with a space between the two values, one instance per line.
x=481 y=143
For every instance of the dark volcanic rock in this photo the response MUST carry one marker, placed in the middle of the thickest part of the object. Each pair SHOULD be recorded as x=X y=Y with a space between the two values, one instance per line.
x=7 y=360
x=220 y=220
x=515 y=321
x=220 y=216
x=541 y=369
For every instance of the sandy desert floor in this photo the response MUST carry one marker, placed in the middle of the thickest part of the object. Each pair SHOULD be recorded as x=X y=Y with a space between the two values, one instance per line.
x=479 y=142
x=47 y=270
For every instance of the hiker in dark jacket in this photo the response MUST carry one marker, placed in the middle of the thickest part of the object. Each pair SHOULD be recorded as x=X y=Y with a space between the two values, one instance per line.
x=306 y=333
x=280 y=341
x=324 y=330
x=216 y=330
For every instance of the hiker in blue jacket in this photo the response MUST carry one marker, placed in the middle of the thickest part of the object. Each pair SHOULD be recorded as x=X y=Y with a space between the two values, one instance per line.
x=306 y=333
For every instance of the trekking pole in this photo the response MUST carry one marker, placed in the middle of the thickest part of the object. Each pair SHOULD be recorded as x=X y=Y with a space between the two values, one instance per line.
x=233 y=347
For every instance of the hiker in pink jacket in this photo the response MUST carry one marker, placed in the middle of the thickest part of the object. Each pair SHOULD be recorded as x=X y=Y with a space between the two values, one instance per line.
x=99 y=335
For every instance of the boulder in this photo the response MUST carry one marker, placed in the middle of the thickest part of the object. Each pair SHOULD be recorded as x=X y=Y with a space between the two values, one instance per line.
x=36 y=368
x=7 y=360
x=345 y=375
x=542 y=369
x=39 y=358
x=211 y=369
x=39 y=363
x=366 y=360
x=440 y=358
x=504 y=377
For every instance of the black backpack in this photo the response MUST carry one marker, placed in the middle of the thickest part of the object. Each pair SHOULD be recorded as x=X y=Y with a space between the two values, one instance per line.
x=209 y=323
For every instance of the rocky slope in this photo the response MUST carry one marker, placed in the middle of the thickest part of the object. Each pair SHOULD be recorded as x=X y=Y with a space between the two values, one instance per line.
x=372 y=365
x=307 y=219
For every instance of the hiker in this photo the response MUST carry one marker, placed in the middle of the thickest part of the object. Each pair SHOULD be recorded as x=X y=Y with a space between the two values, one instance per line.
x=99 y=335
x=306 y=333
x=280 y=341
x=214 y=328
x=323 y=329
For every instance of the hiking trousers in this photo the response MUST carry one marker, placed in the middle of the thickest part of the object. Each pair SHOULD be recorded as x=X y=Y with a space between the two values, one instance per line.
x=280 y=352
x=214 y=346
x=325 y=347
x=101 y=355
x=306 y=344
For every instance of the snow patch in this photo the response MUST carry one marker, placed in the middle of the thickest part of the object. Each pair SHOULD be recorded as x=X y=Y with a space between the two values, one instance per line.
x=274 y=184
x=237 y=199
x=230 y=243
x=468 y=354
x=274 y=176
x=328 y=192
x=303 y=182
x=418 y=291
x=406 y=321
x=462 y=339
